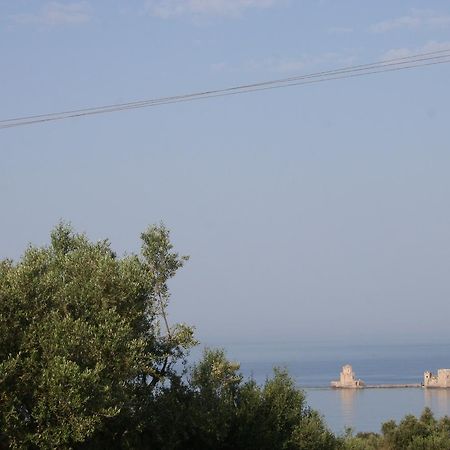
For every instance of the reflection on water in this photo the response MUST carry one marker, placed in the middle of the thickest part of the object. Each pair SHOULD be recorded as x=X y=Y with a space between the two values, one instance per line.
x=348 y=404
x=438 y=400
x=367 y=409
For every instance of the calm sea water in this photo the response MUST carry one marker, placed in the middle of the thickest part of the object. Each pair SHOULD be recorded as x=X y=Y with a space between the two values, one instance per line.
x=313 y=366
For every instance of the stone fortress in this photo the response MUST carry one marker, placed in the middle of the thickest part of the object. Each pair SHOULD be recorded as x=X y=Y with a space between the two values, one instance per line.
x=441 y=380
x=347 y=380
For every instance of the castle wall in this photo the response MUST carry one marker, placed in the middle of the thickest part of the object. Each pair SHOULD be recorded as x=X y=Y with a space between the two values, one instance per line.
x=441 y=380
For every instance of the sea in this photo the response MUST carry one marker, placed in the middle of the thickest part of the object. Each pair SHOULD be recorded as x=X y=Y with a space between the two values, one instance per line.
x=314 y=365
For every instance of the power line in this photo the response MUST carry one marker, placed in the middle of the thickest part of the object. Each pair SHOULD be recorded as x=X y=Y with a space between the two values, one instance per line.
x=394 y=64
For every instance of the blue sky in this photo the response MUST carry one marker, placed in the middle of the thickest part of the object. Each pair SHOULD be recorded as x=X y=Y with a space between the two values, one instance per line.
x=317 y=212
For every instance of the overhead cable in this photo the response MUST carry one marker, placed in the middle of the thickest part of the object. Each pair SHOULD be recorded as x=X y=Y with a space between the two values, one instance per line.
x=394 y=64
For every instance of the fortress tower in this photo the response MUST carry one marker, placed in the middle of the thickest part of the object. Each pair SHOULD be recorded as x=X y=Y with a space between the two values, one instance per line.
x=347 y=379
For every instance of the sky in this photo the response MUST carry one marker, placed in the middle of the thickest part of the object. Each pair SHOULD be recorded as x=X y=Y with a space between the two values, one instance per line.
x=315 y=213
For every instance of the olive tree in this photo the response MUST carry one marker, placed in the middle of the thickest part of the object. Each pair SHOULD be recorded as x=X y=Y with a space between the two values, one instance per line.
x=84 y=338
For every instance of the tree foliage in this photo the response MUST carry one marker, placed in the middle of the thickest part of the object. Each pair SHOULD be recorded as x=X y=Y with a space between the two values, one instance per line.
x=82 y=348
x=215 y=408
x=411 y=433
